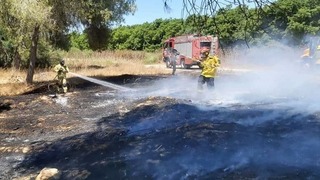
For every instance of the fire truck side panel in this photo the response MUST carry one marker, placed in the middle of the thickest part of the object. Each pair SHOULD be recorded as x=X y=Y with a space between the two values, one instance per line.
x=184 y=50
x=215 y=46
x=189 y=47
x=195 y=49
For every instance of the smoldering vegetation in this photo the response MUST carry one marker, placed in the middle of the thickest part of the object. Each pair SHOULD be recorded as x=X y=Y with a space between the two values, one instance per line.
x=174 y=139
x=262 y=124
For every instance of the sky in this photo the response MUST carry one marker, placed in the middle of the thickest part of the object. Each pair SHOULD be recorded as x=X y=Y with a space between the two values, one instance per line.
x=148 y=11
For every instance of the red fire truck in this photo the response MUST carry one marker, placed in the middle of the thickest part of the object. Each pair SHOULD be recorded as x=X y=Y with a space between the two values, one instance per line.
x=186 y=49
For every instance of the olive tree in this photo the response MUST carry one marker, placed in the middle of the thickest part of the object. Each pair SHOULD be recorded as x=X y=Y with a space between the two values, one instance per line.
x=25 y=22
x=94 y=17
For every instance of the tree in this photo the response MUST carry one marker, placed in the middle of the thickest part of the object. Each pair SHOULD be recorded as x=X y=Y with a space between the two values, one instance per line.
x=94 y=17
x=305 y=20
x=285 y=21
x=29 y=16
x=79 y=40
x=278 y=18
x=206 y=9
x=28 y=21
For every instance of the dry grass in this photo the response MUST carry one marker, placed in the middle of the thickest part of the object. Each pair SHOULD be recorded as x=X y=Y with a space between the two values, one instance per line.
x=108 y=63
x=113 y=63
x=14 y=89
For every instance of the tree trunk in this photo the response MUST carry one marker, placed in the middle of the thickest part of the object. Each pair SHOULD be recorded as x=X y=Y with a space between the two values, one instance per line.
x=33 y=54
x=16 y=60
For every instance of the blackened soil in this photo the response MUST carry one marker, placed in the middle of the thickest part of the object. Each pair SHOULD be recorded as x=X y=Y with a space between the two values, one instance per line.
x=96 y=132
x=35 y=119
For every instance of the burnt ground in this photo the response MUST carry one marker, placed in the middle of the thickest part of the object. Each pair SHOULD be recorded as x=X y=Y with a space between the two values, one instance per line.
x=31 y=121
x=96 y=132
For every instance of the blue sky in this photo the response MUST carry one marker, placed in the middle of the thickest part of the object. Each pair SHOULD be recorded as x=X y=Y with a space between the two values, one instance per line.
x=148 y=11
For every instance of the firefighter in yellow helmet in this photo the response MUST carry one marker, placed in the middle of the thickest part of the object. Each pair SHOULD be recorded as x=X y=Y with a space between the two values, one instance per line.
x=62 y=71
x=209 y=65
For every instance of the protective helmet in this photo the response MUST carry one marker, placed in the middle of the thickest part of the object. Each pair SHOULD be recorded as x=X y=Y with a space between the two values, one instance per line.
x=62 y=62
x=204 y=52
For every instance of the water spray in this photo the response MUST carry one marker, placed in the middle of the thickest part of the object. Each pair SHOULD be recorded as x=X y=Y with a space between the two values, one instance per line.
x=103 y=83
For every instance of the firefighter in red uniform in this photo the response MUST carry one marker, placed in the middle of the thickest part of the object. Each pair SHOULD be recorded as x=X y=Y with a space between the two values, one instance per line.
x=209 y=65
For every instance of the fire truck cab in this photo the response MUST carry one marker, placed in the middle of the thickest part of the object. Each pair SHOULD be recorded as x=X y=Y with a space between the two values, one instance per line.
x=186 y=49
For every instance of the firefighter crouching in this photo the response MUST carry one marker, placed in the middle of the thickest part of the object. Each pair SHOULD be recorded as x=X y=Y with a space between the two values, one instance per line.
x=209 y=65
x=62 y=71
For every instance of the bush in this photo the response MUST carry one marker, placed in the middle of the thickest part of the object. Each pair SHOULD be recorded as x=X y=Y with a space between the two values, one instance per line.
x=151 y=58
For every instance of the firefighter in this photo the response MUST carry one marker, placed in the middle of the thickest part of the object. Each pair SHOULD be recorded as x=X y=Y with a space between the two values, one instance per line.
x=173 y=60
x=209 y=65
x=311 y=56
x=62 y=71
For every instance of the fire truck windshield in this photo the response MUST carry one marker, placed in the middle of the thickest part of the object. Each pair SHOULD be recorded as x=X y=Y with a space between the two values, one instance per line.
x=205 y=44
x=167 y=45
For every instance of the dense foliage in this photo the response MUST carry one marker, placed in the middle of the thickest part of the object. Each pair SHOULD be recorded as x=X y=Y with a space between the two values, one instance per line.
x=32 y=30
x=284 y=21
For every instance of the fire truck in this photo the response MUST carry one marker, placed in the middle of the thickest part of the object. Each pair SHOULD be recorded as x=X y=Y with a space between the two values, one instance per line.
x=186 y=49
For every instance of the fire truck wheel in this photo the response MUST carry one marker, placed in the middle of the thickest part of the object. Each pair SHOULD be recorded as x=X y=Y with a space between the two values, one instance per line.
x=184 y=66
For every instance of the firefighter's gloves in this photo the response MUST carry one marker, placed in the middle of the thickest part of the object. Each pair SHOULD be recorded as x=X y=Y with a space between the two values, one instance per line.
x=198 y=62
x=62 y=70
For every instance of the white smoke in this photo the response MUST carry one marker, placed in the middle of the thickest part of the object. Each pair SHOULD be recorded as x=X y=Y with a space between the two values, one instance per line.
x=62 y=100
x=271 y=103
x=270 y=74
x=275 y=73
